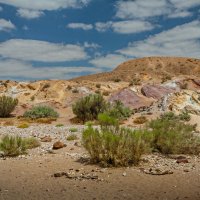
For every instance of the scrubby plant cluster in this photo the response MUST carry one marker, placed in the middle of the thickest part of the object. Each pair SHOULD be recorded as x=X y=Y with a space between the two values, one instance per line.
x=7 y=105
x=15 y=145
x=118 y=110
x=89 y=107
x=112 y=145
x=41 y=112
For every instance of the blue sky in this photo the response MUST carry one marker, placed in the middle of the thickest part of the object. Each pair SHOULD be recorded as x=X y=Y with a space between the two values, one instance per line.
x=61 y=39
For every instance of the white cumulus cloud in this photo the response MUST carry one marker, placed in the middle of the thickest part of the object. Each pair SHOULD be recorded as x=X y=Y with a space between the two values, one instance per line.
x=80 y=26
x=109 y=61
x=6 y=25
x=35 y=50
x=19 y=69
x=125 y=27
x=46 y=4
x=183 y=40
x=29 y=14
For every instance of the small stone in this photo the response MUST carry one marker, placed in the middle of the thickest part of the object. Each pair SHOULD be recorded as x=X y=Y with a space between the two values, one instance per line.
x=182 y=161
x=58 y=145
x=124 y=174
x=77 y=144
x=186 y=170
x=46 y=139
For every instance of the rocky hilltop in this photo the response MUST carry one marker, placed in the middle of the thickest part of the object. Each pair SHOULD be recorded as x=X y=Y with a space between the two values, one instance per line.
x=146 y=85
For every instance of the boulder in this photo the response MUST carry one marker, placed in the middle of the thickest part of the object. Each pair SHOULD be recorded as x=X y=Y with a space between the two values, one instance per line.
x=131 y=99
x=58 y=145
x=156 y=91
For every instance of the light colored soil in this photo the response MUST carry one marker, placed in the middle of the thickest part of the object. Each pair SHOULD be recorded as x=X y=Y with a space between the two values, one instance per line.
x=32 y=179
x=31 y=176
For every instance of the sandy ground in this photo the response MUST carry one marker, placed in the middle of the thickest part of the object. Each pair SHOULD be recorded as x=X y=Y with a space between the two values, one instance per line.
x=32 y=178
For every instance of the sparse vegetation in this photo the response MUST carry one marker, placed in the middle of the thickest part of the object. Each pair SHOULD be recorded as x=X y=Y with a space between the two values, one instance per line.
x=88 y=108
x=31 y=143
x=7 y=105
x=98 y=85
x=140 y=120
x=12 y=146
x=117 y=80
x=184 y=116
x=105 y=93
x=32 y=98
x=174 y=137
x=75 y=90
x=72 y=137
x=59 y=125
x=73 y=129
x=23 y=125
x=113 y=146
x=15 y=145
x=106 y=120
x=118 y=110
x=135 y=81
x=41 y=112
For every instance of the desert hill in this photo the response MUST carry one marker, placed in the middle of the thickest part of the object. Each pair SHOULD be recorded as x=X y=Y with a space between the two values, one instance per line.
x=145 y=85
x=149 y=68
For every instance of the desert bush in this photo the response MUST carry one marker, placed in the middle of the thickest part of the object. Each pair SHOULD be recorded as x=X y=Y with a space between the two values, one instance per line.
x=106 y=120
x=140 y=120
x=23 y=125
x=97 y=91
x=135 y=81
x=7 y=105
x=122 y=148
x=75 y=91
x=45 y=86
x=73 y=129
x=174 y=137
x=88 y=108
x=47 y=120
x=72 y=137
x=98 y=85
x=117 y=80
x=31 y=143
x=12 y=145
x=32 y=98
x=106 y=93
x=118 y=110
x=41 y=112
x=59 y=125
x=184 y=116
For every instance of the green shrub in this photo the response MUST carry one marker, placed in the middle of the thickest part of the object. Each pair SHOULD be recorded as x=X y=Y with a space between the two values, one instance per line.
x=184 y=116
x=118 y=110
x=98 y=85
x=13 y=145
x=88 y=108
x=113 y=146
x=41 y=112
x=7 y=105
x=72 y=137
x=73 y=129
x=59 y=125
x=23 y=125
x=31 y=143
x=106 y=120
x=174 y=137
x=117 y=80
x=140 y=120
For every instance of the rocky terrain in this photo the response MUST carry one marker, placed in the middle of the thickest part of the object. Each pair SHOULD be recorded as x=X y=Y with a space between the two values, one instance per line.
x=60 y=168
